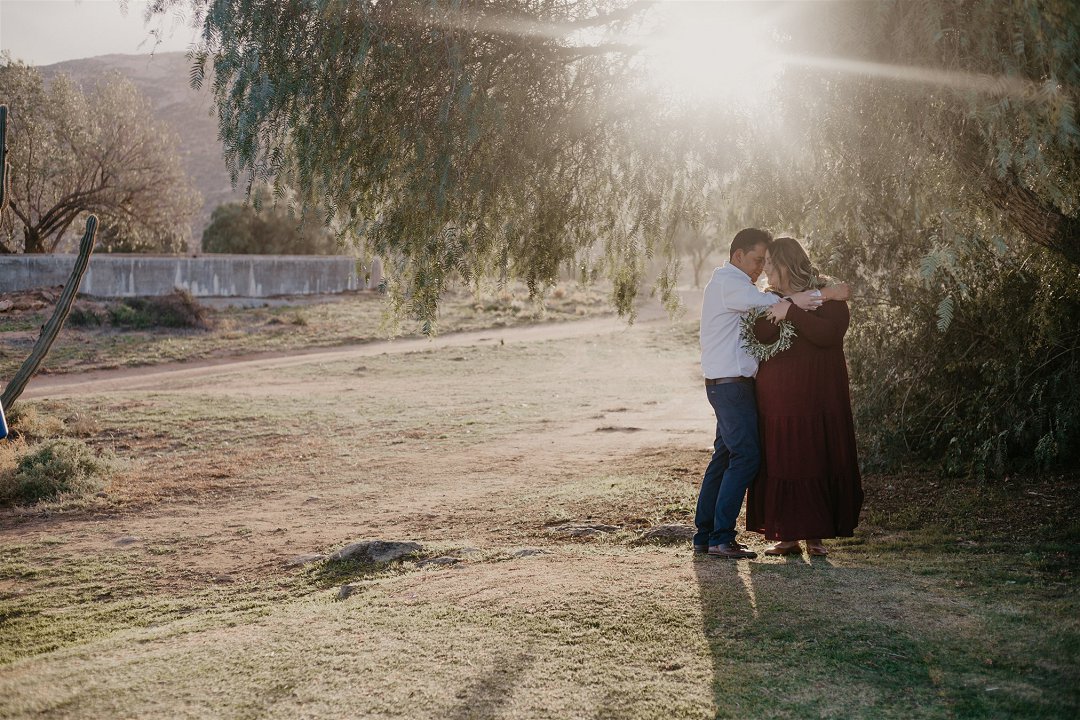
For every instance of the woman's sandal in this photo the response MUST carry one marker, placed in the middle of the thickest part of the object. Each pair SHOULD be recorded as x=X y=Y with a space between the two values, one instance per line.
x=781 y=549
x=816 y=550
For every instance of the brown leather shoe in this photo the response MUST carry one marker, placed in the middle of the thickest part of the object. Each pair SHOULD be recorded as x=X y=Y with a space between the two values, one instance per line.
x=704 y=549
x=731 y=550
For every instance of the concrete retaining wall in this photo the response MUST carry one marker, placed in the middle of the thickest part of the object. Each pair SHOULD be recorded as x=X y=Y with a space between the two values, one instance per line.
x=203 y=276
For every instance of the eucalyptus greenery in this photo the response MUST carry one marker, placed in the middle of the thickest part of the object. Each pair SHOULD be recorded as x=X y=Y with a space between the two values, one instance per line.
x=755 y=348
x=953 y=207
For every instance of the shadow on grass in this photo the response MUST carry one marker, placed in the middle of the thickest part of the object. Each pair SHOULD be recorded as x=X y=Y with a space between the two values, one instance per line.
x=487 y=695
x=798 y=639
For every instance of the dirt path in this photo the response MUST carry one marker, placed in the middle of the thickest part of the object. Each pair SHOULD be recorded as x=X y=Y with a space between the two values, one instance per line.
x=591 y=422
x=159 y=376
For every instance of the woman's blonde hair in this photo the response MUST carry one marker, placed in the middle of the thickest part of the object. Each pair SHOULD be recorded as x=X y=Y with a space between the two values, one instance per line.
x=788 y=253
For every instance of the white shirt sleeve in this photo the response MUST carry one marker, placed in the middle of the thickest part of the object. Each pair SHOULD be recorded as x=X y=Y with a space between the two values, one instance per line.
x=740 y=297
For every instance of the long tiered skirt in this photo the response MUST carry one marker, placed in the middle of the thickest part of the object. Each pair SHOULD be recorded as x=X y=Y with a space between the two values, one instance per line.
x=809 y=484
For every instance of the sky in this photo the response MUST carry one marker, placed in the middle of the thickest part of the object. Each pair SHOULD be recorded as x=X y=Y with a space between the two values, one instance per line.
x=43 y=32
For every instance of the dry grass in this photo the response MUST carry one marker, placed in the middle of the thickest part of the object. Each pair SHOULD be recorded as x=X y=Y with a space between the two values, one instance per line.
x=32 y=422
x=10 y=450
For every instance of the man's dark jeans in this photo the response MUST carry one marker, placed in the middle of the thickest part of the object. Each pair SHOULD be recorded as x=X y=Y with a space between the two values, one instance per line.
x=735 y=461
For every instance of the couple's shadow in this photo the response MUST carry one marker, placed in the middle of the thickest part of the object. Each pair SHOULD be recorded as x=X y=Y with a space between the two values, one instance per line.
x=720 y=596
x=742 y=604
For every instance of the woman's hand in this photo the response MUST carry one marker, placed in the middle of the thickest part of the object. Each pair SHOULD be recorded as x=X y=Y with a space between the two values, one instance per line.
x=807 y=300
x=840 y=291
x=778 y=312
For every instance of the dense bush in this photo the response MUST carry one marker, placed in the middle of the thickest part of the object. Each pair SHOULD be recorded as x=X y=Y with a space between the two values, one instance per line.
x=118 y=236
x=178 y=309
x=84 y=317
x=53 y=469
x=973 y=363
x=240 y=228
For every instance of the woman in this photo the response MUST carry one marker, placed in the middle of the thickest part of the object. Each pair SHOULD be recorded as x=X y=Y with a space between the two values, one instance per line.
x=809 y=486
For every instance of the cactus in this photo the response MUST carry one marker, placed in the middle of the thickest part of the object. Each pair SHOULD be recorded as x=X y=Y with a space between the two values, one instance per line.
x=52 y=328
x=5 y=169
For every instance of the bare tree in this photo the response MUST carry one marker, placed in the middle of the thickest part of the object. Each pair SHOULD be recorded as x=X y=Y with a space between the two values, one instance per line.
x=698 y=245
x=102 y=152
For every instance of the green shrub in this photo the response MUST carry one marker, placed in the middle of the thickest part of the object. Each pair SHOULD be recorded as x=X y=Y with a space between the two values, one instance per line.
x=52 y=469
x=178 y=309
x=130 y=314
x=994 y=389
x=84 y=317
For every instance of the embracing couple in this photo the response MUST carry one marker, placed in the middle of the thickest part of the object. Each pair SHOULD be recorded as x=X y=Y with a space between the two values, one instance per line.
x=776 y=377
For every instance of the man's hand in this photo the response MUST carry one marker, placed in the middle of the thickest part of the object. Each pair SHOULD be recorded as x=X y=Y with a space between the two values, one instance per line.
x=778 y=311
x=840 y=291
x=807 y=300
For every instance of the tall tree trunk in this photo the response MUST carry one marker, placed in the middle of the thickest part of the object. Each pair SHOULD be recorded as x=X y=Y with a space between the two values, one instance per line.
x=5 y=169
x=33 y=243
x=1037 y=220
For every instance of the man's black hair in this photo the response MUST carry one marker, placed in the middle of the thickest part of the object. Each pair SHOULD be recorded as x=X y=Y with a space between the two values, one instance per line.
x=747 y=239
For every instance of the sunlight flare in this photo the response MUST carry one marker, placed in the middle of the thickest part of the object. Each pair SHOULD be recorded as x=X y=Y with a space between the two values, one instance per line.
x=722 y=52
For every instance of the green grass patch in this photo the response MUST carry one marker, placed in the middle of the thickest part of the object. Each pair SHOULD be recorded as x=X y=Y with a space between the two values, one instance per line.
x=52 y=470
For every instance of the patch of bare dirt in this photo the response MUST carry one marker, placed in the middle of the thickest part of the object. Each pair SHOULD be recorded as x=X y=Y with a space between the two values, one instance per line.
x=240 y=506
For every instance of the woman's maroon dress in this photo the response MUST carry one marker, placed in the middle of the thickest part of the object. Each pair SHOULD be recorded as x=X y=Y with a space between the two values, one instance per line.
x=809 y=484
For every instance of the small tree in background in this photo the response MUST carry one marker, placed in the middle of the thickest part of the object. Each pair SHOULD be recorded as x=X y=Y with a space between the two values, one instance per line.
x=697 y=246
x=74 y=153
x=266 y=229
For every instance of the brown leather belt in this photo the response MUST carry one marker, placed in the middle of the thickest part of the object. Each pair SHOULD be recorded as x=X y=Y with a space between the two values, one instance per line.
x=721 y=381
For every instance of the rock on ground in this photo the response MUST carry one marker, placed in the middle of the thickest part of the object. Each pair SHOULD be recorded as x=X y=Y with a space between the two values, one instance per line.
x=441 y=560
x=376 y=551
x=302 y=560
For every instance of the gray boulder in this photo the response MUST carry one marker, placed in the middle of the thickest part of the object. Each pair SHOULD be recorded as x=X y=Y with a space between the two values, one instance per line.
x=376 y=551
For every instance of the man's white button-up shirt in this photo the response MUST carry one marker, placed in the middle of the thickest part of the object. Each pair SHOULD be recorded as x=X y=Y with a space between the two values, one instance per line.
x=728 y=295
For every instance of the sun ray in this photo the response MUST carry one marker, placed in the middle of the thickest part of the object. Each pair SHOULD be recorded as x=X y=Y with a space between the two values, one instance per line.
x=986 y=84
x=724 y=52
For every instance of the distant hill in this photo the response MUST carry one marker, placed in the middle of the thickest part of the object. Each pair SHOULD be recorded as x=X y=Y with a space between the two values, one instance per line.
x=163 y=78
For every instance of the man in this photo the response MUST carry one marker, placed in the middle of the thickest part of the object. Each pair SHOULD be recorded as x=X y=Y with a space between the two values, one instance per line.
x=729 y=383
